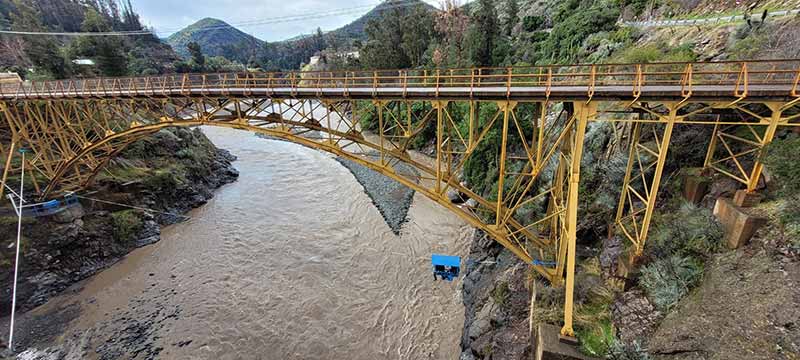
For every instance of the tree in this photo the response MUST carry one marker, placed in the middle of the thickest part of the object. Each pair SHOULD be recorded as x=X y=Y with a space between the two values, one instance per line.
x=483 y=33
x=398 y=39
x=319 y=40
x=198 y=59
x=42 y=51
x=417 y=34
x=108 y=52
x=512 y=11
x=383 y=37
x=451 y=24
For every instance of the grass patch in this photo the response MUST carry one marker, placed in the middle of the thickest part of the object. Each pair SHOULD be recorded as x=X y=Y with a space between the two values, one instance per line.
x=597 y=339
x=126 y=223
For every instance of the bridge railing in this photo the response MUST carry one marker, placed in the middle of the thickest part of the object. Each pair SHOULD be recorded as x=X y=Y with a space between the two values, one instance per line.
x=735 y=77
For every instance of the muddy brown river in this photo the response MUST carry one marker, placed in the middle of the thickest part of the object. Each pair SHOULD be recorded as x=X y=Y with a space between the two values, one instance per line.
x=292 y=261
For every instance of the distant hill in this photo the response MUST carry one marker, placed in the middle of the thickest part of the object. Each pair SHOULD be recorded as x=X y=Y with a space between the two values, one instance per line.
x=216 y=38
x=355 y=29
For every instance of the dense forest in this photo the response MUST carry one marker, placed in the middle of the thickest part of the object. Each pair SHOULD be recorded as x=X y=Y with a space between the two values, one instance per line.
x=42 y=57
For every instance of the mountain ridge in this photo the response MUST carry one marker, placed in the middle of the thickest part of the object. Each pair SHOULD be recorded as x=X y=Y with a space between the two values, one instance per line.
x=216 y=38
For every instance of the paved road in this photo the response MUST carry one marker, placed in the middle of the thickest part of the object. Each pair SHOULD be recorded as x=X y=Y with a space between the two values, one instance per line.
x=706 y=21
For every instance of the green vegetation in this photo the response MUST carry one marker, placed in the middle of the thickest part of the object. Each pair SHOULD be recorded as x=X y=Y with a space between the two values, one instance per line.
x=44 y=57
x=500 y=293
x=622 y=351
x=667 y=280
x=656 y=53
x=223 y=40
x=398 y=39
x=593 y=312
x=597 y=339
x=781 y=161
x=127 y=224
x=689 y=231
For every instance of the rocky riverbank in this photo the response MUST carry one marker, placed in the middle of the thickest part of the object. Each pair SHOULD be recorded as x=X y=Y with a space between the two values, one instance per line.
x=496 y=303
x=170 y=172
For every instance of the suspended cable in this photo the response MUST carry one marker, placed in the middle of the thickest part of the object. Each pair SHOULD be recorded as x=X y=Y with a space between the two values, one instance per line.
x=249 y=23
x=133 y=207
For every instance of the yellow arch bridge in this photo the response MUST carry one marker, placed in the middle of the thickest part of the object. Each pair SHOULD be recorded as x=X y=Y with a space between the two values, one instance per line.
x=74 y=127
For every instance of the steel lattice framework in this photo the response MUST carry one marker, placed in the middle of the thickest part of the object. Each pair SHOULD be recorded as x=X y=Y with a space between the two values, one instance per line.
x=74 y=127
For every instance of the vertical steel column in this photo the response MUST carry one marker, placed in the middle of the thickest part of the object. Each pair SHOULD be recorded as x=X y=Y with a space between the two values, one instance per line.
x=439 y=140
x=769 y=134
x=662 y=159
x=582 y=112
x=506 y=107
x=379 y=104
x=472 y=118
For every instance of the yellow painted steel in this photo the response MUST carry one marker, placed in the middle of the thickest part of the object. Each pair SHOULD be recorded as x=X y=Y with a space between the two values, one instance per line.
x=75 y=127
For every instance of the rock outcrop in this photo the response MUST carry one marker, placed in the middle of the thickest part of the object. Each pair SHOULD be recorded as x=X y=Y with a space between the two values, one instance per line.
x=496 y=303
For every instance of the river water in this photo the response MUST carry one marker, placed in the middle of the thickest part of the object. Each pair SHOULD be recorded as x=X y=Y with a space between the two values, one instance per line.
x=292 y=261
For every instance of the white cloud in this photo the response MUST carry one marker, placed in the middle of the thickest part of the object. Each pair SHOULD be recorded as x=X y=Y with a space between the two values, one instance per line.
x=168 y=16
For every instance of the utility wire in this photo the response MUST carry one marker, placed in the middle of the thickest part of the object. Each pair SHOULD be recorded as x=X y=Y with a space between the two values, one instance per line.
x=249 y=23
x=133 y=207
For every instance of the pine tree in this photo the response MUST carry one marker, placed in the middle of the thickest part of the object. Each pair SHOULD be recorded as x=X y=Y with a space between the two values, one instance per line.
x=512 y=12
x=483 y=33
x=198 y=59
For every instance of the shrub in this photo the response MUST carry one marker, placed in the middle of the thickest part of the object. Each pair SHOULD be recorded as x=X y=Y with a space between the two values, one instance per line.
x=622 y=351
x=690 y=231
x=780 y=161
x=126 y=224
x=657 y=53
x=500 y=293
x=667 y=280
x=533 y=22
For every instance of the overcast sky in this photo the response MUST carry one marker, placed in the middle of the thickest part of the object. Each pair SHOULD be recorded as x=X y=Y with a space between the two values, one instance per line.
x=168 y=16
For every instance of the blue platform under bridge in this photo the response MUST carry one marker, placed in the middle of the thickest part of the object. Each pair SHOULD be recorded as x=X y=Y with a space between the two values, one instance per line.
x=445 y=266
x=50 y=207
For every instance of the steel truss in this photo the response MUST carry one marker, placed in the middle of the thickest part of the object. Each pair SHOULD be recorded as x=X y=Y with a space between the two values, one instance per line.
x=533 y=212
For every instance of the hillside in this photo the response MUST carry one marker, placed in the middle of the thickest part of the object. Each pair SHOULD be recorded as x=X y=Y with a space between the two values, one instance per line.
x=51 y=57
x=356 y=29
x=216 y=38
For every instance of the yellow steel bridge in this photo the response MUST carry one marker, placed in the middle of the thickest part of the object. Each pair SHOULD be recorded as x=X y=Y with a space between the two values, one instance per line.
x=74 y=127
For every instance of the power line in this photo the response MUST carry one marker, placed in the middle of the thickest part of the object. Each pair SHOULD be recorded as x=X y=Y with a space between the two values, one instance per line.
x=249 y=23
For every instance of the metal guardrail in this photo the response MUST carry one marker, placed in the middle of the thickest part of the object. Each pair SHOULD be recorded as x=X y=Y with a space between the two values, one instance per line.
x=736 y=77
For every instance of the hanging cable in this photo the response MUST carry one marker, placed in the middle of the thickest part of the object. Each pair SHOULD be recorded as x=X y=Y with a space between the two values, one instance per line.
x=133 y=207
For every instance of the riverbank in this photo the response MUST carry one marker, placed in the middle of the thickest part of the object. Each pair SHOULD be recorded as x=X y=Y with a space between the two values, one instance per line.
x=208 y=288
x=170 y=172
x=496 y=303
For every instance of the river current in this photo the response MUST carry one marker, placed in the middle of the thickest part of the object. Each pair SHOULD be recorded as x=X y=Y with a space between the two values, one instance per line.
x=292 y=261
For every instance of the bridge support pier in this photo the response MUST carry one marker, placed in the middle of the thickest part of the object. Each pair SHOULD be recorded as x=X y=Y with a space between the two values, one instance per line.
x=582 y=113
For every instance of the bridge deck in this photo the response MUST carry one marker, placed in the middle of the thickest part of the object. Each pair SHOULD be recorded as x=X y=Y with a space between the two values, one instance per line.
x=655 y=92
x=759 y=80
